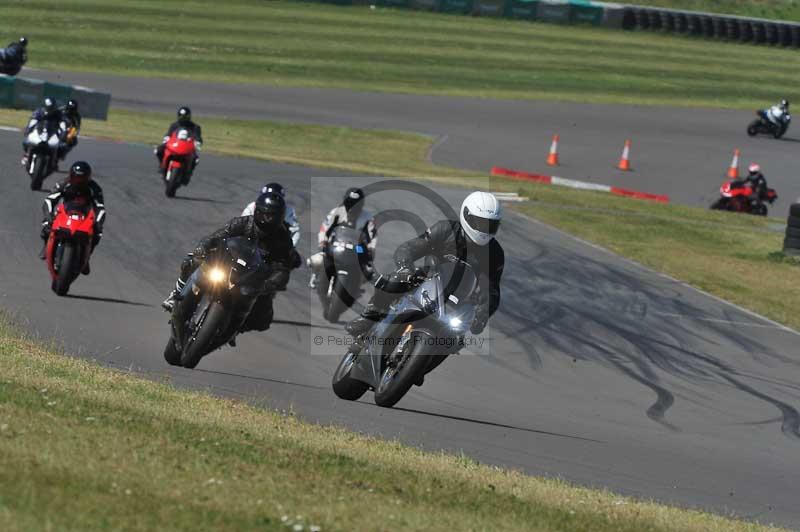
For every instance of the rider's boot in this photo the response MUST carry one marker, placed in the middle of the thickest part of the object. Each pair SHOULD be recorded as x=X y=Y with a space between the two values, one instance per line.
x=174 y=296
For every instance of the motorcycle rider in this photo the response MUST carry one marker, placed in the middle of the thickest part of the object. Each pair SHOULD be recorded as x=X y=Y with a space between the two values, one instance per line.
x=350 y=212
x=291 y=216
x=756 y=180
x=72 y=118
x=266 y=228
x=184 y=121
x=777 y=115
x=48 y=112
x=13 y=57
x=81 y=188
x=471 y=238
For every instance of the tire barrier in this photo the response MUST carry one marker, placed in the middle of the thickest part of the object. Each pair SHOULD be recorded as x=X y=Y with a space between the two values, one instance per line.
x=24 y=93
x=791 y=243
x=610 y=15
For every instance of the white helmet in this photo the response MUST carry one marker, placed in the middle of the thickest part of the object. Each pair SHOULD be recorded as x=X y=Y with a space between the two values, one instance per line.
x=480 y=217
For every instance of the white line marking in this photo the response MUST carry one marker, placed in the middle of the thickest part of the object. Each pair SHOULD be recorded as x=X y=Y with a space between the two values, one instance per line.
x=716 y=320
x=6 y=128
x=555 y=180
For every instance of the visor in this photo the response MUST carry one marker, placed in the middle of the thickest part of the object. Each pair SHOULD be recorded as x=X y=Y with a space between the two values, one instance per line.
x=482 y=225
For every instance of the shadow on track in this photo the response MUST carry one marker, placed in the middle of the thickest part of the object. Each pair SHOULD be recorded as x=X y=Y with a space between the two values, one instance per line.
x=263 y=379
x=494 y=424
x=306 y=324
x=109 y=300
x=203 y=200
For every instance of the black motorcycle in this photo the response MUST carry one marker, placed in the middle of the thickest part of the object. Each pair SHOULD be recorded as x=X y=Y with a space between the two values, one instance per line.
x=764 y=125
x=216 y=301
x=345 y=261
x=11 y=68
x=42 y=146
x=424 y=326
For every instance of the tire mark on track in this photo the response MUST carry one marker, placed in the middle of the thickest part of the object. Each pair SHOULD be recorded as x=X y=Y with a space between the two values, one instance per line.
x=790 y=424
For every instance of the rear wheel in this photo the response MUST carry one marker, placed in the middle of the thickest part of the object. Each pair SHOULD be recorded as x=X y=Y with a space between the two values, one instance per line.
x=66 y=267
x=38 y=171
x=344 y=386
x=203 y=338
x=397 y=379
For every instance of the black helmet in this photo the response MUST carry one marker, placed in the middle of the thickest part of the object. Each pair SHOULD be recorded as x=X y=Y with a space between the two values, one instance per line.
x=23 y=41
x=352 y=198
x=80 y=173
x=72 y=105
x=275 y=188
x=184 y=113
x=270 y=209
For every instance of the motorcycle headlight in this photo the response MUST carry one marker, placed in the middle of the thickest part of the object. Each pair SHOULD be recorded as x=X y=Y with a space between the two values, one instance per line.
x=216 y=275
x=455 y=323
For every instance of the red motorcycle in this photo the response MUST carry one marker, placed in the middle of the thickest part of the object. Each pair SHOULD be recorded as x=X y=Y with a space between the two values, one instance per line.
x=735 y=197
x=180 y=152
x=70 y=244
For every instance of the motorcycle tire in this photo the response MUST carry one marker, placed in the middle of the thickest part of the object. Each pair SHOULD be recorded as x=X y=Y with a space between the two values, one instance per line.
x=65 y=274
x=792 y=232
x=719 y=205
x=791 y=243
x=752 y=129
x=172 y=181
x=339 y=301
x=199 y=347
x=171 y=353
x=389 y=393
x=794 y=210
x=777 y=133
x=343 y=385
x=38 y=173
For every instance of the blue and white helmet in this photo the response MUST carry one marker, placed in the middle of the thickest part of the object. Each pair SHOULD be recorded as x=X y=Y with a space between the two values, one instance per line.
x=480 y=217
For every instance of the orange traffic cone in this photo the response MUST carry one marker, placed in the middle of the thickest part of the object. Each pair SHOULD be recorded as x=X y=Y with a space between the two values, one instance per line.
x=733 y=171
x=552 y=159
x=625 y=161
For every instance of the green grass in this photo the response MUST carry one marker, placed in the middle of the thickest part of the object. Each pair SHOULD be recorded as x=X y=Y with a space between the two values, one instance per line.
x=773 y=9
x=86 y=448
x=308 y=44
x=732 y=256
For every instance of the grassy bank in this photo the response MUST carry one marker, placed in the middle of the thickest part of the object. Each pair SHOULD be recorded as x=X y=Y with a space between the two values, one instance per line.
x=309 y=44
x=86 y=448
x=732 y=256
x=774 y=9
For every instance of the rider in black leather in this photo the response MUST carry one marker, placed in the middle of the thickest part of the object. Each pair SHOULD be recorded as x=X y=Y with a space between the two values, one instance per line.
x=446 y=237
x=266 y=228
x=13 y=57
x=77 y=187
x=184 y=121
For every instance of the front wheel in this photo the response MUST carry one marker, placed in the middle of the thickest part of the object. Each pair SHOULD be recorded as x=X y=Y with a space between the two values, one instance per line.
x=172 y=181
x=752 y=129
x=37 y=172
x=65 y=274
x=341 y=299
x=198 y=347
x=171 y=353
x=397 y=379
x=719 y=205
x=344 y=386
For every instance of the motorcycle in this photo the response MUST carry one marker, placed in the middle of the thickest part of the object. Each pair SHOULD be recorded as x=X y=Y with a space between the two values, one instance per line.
x=764 y=125
x=216 y=301
x=11 y=68
x=42 y=144
x=180 y=151
x=69 y=245
x=344 y=261
x=422 y=328
x=735 y=197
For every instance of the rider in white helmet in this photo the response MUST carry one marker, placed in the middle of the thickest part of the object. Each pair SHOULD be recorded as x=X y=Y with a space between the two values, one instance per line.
x=471 y=237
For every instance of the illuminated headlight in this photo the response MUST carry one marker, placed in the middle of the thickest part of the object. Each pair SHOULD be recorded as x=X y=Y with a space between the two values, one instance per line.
x=216 y=275
x=455 y=323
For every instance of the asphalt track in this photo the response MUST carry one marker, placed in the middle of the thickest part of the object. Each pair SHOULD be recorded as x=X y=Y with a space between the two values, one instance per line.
x=595 y=370
x=681 y=152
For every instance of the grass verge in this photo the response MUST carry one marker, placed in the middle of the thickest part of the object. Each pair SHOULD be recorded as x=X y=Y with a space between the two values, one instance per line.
x=308 y=44
x=734 y=257
x=87 y=448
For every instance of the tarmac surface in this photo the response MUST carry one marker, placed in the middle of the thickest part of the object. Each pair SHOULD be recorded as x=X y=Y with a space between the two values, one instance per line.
x=681 y=152
x=595 y=369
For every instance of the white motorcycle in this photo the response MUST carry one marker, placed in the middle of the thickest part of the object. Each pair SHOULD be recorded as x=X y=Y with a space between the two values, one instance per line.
x=42 y=144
